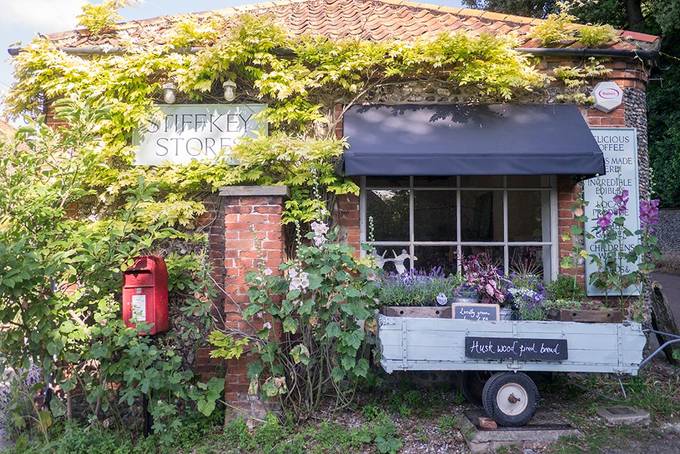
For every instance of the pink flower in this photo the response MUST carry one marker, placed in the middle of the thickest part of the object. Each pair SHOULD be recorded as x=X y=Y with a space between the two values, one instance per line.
x=649 y=214
x=604 y=221
x=621 y=201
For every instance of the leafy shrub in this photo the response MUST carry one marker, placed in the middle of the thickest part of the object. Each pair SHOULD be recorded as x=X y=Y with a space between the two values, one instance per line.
x=64 y=281
x=596 y=35
x=101 y=18
x=565 y=287
x=416 y=288
x=554 y=29
x=320 y=302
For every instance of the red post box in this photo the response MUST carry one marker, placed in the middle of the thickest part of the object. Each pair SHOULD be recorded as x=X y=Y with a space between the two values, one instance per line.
x=145 y=294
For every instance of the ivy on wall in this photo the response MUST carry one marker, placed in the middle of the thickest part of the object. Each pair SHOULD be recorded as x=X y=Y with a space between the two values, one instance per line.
x=300 y=79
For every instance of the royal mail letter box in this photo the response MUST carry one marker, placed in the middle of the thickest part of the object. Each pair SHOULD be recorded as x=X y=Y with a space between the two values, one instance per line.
x=145 y=294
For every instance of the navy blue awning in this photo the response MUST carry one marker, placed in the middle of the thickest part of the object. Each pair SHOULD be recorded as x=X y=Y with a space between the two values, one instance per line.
x=495 y=139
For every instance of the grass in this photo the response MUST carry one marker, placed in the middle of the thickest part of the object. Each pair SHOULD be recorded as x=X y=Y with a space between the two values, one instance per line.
x=386 y=418
x=579 y=398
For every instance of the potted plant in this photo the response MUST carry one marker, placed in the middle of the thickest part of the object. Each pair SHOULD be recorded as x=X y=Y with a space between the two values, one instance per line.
x=466 y=294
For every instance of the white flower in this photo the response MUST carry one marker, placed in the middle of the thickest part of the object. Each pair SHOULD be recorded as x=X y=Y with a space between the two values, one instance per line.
x=267 y=325
x=320 y=230
x=268 y=272
x=299 y=280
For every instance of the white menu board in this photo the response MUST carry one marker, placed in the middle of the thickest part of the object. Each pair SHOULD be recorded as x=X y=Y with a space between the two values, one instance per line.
x=619 y=146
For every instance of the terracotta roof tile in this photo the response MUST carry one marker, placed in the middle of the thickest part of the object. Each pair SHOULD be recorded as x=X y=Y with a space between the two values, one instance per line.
x=367 y=19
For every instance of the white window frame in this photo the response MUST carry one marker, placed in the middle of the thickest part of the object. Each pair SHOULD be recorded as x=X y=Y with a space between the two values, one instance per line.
x=552 y=221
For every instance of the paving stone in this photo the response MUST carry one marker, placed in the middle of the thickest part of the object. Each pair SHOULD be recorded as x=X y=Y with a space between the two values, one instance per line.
x=623 y=416
x=542 y=430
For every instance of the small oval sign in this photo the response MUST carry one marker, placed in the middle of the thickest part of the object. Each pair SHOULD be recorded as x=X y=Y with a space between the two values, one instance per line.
x=609 y=93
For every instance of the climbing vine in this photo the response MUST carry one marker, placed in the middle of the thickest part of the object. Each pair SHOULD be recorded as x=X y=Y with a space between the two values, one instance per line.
x=300 y=79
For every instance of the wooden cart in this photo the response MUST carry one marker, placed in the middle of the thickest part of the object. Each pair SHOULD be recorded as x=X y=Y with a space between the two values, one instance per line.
x=507 y=350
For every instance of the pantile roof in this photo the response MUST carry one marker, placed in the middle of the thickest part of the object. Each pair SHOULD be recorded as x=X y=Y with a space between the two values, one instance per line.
x=375 y=20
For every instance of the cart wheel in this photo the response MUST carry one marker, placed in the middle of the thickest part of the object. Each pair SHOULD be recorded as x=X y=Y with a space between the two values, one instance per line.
x=472 y=385
x=510 y=398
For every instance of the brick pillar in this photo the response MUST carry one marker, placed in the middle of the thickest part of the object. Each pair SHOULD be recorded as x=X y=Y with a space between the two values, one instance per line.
x=568 y=192
x=347 y=217
x=253 y=236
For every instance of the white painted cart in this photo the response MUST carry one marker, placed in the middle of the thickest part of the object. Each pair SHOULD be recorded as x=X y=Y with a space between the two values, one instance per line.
x=509 y=348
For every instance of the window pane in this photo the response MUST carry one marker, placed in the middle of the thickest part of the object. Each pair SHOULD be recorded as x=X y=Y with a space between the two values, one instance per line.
x=389 y=210
x=526 y=211
x=529 y=181
x=492 y=253
x=434 y=215
x=393 y=258
x=387 y=182
x=481 y=215
x=530 y=260
x=435 y=182
x=430 y=257
x=481 y=181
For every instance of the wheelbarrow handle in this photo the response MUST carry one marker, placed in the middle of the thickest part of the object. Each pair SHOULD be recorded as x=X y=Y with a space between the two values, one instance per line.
x=674 y=339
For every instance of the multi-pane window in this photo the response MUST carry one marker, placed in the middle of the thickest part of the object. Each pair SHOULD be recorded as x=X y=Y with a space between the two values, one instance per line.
x=439 y=220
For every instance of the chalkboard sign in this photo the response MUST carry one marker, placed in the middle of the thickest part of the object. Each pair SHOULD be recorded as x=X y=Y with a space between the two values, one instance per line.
x=519 y=349
x=472 y=311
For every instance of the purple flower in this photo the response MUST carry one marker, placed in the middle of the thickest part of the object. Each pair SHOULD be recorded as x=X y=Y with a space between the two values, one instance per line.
x=621 y=201
x=605 y=220
x=649 y=214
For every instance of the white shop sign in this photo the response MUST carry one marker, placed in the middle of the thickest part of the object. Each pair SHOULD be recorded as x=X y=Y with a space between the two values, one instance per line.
x=185 y=132
x=619 y=146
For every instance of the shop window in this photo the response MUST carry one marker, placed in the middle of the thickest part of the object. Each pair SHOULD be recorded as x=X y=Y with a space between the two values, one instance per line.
x=426 y=223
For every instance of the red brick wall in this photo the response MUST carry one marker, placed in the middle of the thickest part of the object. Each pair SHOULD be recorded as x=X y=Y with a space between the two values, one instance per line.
x=347 y=217
x=253 y=236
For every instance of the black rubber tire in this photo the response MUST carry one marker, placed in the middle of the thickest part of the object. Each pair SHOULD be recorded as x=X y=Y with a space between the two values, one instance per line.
x=493 y=386
x=472 y=385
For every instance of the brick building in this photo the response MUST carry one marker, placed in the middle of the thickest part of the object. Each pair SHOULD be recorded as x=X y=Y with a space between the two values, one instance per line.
x=440 y=216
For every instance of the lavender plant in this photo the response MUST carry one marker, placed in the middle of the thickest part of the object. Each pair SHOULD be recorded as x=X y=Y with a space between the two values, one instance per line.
x=416 y=288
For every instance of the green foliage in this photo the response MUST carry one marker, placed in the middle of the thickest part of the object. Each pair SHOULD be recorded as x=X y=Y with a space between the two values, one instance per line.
x=527 y=8
x=596 y=35
x=565 y=287
x=225 y=346
x=559 y=28
x=274 y=437
x=100 y=18
x=59 y=292
x=558 y=304
x=319 y=302
x=300 y=88
x=95 y=439
x=555 y=29
x=577 y=80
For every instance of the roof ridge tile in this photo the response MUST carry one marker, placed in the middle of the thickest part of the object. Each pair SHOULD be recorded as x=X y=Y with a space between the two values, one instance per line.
x=395 y=19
